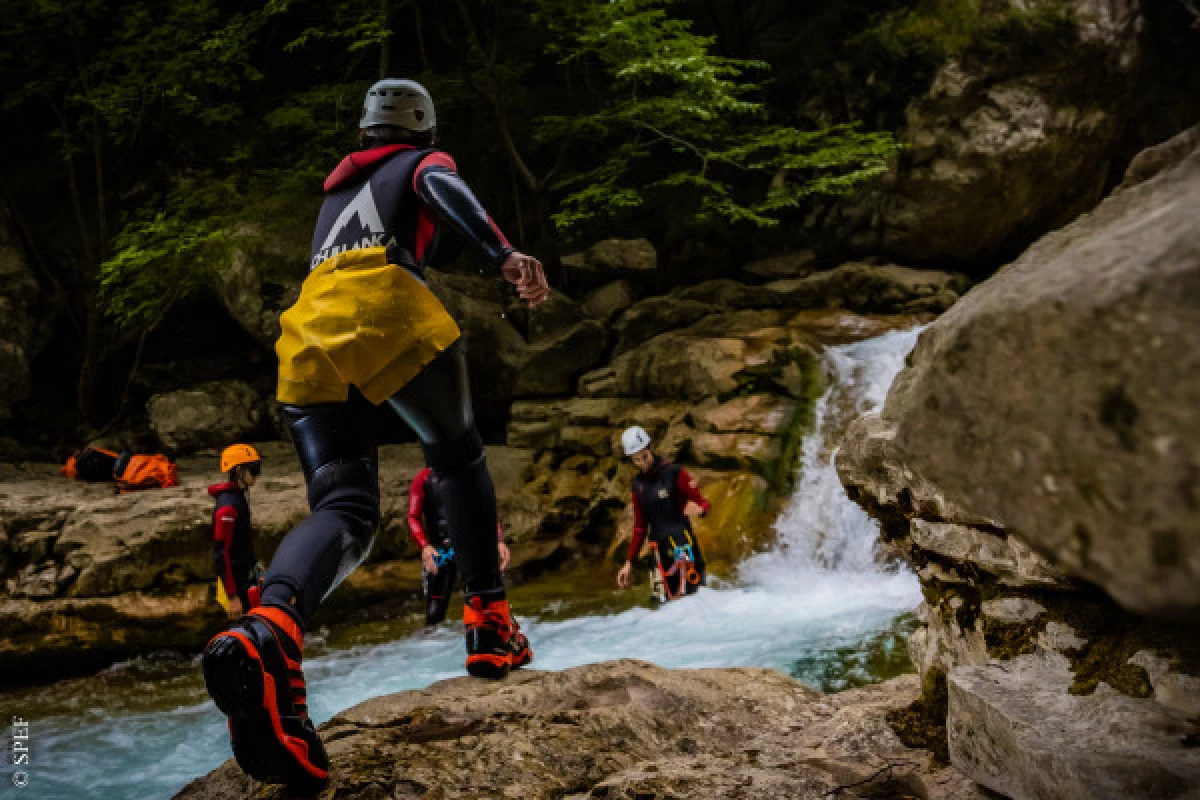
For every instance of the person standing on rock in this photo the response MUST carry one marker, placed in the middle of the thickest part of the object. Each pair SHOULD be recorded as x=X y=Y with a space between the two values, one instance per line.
x=233 y=537
x=365 y=332
x=430 y=529
x=665 y=497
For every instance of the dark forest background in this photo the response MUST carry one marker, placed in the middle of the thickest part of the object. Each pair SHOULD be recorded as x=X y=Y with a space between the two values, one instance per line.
x=144 y=142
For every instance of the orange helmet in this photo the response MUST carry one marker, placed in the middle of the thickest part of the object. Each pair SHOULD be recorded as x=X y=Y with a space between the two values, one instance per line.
x=237 y=454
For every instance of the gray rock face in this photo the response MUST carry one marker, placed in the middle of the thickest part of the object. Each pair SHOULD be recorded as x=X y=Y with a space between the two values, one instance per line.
x=260 y=281
x=1060 y=401
x=609 y=300
x=1006 y=147
x=553 y=364
x=609 y=260
x=1100 y=745
x=211 y=415
x=786 y=265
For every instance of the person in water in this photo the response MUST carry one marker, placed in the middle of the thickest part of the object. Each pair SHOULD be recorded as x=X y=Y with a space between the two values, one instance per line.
x=665 y=498
x=233 y=536
x=430 y=530
x=366 y=331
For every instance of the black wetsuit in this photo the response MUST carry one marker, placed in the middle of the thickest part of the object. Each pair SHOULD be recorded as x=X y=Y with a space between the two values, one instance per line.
x=659 y=497
x=397 y=197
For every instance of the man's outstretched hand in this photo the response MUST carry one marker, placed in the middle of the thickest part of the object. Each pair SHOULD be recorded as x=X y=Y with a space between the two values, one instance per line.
x=525 y=273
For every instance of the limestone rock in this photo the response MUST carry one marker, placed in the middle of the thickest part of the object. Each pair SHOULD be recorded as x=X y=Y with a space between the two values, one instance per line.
x=654 y=315
x=755 y=413
x=553 y=364
x=618 y=729
x=1016 y=729
x=797 y=264
x=609 y=300
x=260 y=281
x=1060 y=401
x=609 y=260
x=1006 y=557
x=553 y=317
x=871 y=288
x=210 y=415
x=1010 y=142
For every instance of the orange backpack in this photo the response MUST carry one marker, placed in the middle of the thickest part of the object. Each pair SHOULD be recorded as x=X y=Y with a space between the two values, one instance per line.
x=148 y=472
x=91 y=464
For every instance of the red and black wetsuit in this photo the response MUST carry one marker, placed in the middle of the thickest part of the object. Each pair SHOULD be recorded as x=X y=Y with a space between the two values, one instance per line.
x=659 y=496
x=233 y=540
x=427 y=523
x=398 y=197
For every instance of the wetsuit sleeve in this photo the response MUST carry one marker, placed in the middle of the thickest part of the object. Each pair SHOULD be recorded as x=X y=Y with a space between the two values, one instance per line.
x=639 y=529
x=416 y=508
x=687 y=487
x=448 y=196
x=224 y=523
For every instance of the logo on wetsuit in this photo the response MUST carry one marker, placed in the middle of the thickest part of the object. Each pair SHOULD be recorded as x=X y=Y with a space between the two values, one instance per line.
x=363 y=207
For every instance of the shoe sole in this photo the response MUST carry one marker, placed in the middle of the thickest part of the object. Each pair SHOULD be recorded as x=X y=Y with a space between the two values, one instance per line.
x=245 y=692
x=488 y=666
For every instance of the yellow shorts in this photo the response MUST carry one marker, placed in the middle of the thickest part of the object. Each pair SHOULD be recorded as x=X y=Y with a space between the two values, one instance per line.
x=359 y=321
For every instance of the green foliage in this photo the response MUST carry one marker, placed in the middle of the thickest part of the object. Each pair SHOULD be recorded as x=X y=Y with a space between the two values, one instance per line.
x=682 y=126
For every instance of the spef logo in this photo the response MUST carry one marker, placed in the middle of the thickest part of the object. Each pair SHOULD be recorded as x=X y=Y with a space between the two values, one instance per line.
x=663 y=494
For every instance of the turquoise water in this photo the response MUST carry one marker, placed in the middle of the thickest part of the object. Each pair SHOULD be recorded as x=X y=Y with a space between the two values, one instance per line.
x=820 y=606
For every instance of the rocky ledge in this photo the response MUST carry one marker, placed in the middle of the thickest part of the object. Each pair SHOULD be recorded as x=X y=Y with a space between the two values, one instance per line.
x=621 y=729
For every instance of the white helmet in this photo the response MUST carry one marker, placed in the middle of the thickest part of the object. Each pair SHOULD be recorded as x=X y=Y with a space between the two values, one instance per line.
x=405 y=104
x=634 y=440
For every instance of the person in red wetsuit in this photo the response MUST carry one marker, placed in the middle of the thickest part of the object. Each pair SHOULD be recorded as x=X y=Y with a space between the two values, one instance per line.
x=233 y=537
x=665 y=498
x=430 y=530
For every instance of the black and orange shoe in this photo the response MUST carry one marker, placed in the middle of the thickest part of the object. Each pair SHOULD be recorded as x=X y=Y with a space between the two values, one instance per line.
x=253 y=673
x=495 y=643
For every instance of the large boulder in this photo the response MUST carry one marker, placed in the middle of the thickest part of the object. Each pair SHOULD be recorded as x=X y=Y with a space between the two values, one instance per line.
x=260 y=280
x=609 y=260
x=1015 y=137
x=554 y=364
x=1060 y=401
x=1104 y=744
x=210 y=415
x=622 y=729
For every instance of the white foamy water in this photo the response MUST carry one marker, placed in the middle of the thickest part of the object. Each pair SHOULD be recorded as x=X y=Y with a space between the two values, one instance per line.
x=808 y=605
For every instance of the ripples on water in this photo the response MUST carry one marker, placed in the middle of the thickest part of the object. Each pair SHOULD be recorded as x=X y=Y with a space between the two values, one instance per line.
x=820 y=606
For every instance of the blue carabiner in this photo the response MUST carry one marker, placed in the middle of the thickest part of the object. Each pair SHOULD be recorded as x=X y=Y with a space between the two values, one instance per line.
x=444 y=557
x=683 y=552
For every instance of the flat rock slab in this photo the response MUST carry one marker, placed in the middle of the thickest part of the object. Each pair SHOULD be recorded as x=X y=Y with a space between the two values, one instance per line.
x=620 y=729
x=1014 y=728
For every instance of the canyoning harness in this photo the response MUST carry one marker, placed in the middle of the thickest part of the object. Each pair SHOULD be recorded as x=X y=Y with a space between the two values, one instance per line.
x=443 y=557
x=683 y=571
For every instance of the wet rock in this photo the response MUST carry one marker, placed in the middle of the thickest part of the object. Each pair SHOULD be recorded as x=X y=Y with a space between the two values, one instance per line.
x=755 y=413
x=210 y=415
x=619 y=729
x=736 y=451
x=609 y=300
x=1104 y=744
